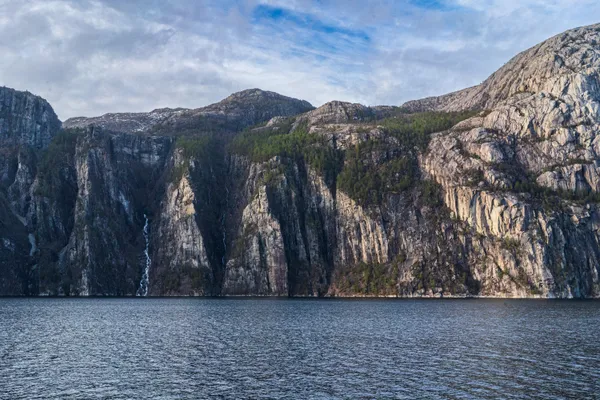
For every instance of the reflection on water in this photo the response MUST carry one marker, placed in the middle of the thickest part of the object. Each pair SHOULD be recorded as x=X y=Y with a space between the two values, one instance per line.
x=191 y=348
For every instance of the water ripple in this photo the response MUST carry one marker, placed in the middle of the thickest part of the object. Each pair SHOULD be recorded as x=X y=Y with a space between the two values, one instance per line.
x=280 y=349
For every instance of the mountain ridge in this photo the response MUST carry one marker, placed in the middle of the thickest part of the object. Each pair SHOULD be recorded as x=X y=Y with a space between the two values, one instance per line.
x=491 y=191
x=551 y=58
x=235 y=105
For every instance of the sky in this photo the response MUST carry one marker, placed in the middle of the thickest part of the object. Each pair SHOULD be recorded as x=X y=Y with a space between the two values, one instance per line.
x=90 y=57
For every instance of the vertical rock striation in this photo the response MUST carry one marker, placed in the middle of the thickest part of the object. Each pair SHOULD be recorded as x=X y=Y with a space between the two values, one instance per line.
x=26 y=119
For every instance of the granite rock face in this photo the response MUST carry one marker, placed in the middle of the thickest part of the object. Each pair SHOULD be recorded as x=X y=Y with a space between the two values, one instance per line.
x=77 y=201
x=500 y=239
x=27 y=124
x=299 y=235
x=568 y=61
x=26 y=119
x=503 y=204
x=539 y=136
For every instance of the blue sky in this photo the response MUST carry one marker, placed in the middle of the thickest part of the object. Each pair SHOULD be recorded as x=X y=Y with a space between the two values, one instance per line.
x=89 y=57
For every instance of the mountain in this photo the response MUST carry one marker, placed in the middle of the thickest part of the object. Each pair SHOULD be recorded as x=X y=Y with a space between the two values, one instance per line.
x=490 y=191
x=236 y=112
x=537 y=70
x=125 y=122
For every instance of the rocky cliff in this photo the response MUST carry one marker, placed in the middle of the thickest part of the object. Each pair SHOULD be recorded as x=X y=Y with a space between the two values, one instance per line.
x=491 y=191
x=26 y=119
x=27 y=123
x=524 y=174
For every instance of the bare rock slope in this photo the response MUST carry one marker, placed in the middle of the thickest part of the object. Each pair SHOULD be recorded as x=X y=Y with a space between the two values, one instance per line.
x=525 y=173
x=542 y=68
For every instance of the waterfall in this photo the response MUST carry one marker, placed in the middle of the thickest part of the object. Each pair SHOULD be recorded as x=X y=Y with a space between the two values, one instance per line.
x=223 y=227
x=143 y=289
x=33 y=244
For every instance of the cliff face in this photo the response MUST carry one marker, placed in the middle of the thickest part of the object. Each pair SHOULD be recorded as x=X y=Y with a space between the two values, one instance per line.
x=298 y=236
x=115 y=175
x=26 y=119
x=27 y=123
x=88 y=208
x=539 y=138
x=343 y=200
x=83 y=208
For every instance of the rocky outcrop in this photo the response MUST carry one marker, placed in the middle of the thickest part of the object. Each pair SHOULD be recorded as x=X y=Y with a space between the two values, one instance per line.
x=439 y=103
x=181 y=263
x=340 y=112
x=81 y=206
x=500 y=238
x=27 y=124
x=298 y=236
x=285 y=242
x=337 y=112
x=76 y=211
x=26 y=119
x=114 y=174
x=253 y=106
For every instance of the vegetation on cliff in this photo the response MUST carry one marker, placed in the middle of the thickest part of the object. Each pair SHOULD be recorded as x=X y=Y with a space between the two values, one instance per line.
x=368 y=171
x=54 y=160
x=414 y=130
x=284 y=140
x=374 y=169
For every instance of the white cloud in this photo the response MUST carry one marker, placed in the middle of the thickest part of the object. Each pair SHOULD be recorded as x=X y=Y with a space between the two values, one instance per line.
x=90 y=57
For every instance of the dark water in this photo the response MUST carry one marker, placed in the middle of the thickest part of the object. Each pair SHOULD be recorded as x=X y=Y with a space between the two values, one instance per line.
x=305 y=349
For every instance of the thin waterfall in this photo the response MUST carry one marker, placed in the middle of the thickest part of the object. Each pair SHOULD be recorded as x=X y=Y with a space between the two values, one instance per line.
x=143 y=289
x=224 y=237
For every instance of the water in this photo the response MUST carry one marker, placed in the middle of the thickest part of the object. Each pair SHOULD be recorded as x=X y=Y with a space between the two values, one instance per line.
x=224 y=235
x=143 y=289
x=321 y=349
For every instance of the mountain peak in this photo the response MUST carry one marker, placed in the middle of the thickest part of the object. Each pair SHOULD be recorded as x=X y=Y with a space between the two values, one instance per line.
x=235 y=112
x=542 y=68
x=259 y=95
x=250 y=93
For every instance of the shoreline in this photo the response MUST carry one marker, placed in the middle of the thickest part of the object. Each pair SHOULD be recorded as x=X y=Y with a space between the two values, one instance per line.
x=259 y=297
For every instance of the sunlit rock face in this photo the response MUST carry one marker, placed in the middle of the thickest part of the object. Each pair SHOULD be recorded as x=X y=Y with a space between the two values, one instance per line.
x=540 y=133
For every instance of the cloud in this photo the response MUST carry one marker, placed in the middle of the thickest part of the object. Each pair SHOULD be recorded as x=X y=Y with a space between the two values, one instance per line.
x=89 y=57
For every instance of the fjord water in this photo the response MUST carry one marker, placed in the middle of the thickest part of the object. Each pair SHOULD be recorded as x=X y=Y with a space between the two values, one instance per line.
x=266 y=348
